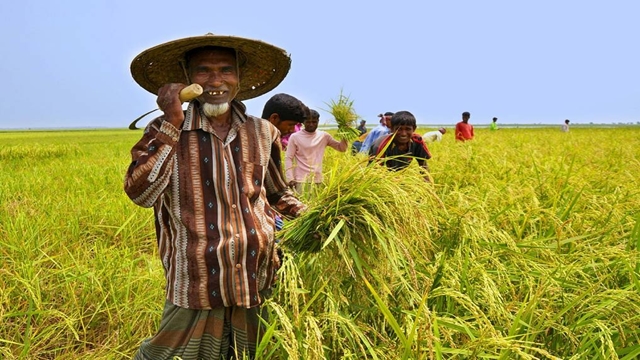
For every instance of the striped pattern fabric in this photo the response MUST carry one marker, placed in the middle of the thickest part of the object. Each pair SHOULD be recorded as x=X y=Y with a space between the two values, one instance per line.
x=221 y=333
x=214 y=202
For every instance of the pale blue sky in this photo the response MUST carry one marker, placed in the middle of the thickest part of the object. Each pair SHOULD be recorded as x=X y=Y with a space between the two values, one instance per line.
x=66 y=63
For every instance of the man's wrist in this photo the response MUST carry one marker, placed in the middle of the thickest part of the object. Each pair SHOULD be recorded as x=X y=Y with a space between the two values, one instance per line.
x=170 y=130
x=176 y=119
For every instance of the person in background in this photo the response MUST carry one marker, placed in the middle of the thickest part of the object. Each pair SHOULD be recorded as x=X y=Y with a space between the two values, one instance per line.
x=362 y=127
x=285 y=112
x=494 y=124
x=285 y=139
x=433 y=136
x=209 y=174
x=357 y=144
x=303 y=159
x=398 y=149
x=565 y=126
x=382 y=129
x=464 y=130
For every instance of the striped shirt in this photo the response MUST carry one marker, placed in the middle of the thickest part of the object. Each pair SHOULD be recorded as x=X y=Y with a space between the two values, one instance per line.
x=212 y=201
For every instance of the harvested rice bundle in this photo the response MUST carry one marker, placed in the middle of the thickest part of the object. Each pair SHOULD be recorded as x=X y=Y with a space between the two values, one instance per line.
x=345 y=116
x=363 y=214
x=339 y=202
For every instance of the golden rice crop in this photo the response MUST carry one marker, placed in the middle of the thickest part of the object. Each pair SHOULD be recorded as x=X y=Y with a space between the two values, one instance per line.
x=362 y=203
x=524 y=246
x=345 y=116
x=17 y=152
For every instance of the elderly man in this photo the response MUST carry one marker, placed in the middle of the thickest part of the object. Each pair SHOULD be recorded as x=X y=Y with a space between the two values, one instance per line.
x=212 y=175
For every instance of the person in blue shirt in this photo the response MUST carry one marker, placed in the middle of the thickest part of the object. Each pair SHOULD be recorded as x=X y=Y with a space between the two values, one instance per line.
x=378 y=131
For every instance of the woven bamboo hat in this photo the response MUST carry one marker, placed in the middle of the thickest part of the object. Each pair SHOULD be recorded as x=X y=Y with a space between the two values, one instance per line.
x=262 y=66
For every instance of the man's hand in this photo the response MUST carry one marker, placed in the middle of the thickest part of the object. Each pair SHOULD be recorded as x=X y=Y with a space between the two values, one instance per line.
x=169 y=102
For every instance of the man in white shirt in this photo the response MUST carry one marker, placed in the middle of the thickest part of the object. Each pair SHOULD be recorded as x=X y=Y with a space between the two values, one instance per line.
x=433 y=136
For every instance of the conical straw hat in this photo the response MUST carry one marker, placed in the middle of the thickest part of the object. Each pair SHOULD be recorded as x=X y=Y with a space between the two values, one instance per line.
x=262 y=66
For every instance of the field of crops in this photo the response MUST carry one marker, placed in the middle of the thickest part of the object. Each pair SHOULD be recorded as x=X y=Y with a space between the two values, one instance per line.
x=524 y=247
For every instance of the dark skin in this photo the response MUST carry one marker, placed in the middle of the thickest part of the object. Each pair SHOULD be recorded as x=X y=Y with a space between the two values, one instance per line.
x=403 y=136
x=402 y=139
x=214 y=70
x=387 y=121
x=310 y=125
x=285 y=126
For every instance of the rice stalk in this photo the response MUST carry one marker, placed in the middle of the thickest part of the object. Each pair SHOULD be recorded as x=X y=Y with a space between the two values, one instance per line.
x=345 y=116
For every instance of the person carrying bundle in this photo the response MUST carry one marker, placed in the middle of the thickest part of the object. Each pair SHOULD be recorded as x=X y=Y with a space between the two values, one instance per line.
x=303 y=159
x=398 y=149
x=212 y=176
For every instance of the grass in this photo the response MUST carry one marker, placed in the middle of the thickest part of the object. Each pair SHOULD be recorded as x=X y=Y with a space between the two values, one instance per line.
x=524 y=247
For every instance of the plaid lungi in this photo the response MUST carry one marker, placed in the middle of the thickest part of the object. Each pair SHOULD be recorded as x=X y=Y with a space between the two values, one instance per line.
x=221 y=333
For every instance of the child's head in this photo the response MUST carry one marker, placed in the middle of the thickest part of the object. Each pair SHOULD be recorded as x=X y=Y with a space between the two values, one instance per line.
x=311 y=123
x=403 y=124
x=385 y=119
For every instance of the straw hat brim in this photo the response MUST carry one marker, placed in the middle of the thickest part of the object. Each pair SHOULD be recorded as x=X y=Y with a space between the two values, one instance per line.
x=262 y=66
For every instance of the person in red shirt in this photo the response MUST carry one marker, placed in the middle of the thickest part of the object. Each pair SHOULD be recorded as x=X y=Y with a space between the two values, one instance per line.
x=464 y=130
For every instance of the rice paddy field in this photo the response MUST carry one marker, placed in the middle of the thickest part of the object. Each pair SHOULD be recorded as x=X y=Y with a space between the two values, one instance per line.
x=524 y=246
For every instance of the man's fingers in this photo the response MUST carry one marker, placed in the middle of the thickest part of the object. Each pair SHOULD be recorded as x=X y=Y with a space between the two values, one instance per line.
x=169 y=95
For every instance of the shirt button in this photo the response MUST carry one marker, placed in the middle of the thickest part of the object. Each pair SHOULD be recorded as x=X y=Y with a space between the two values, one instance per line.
x=237 y=235
x=238 y=266
x=233 y=206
